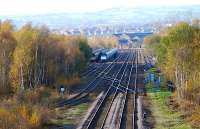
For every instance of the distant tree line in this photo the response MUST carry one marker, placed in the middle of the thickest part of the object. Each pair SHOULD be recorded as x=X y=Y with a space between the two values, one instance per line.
x=177 y=50
x=103 y=42
x=34 y=56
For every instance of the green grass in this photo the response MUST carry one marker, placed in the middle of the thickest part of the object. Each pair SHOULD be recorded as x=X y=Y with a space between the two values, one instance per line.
x=165 y=118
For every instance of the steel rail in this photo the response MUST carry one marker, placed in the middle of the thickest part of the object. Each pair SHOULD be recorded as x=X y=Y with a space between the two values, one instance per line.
x=115 y=94
x=88 y=124
x=125 y=100
x=102 y=73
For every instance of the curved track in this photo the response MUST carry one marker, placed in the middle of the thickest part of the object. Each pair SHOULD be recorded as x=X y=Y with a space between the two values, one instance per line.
x=92 y=85
x=110 y=107
x=89 y=121
x=117 y=83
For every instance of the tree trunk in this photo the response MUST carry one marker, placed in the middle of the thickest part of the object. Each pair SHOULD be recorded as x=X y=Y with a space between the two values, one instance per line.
x=22 y=77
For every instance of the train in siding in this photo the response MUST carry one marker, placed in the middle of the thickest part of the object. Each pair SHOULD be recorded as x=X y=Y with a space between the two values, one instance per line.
x=108 y=54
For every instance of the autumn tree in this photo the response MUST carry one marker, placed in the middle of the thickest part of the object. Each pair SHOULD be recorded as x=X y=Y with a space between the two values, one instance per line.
x=21 y=71
x=103 y=42
x=178 y=57
x=7 y=46
x=34 y=56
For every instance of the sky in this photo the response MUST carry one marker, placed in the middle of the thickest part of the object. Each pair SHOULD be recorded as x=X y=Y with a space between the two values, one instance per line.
x=32 y=7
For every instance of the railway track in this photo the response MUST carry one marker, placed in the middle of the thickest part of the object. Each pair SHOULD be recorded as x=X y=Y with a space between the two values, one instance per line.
x=91 y=86
x=93 y=67
x=114 y=115
x=116 y=106
x=122 y=116
x=89 y=121
x=116 y=109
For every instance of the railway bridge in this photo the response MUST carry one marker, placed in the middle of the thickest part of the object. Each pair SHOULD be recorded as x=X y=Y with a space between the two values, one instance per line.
x=130 y=38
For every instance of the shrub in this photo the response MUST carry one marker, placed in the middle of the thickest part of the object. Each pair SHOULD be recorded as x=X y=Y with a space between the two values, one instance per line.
x=70 y=82
x=35 y=119
x=26 y=110
x=195 y=118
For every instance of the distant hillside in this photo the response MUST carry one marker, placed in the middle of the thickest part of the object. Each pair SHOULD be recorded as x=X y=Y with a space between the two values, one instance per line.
x=115 y=16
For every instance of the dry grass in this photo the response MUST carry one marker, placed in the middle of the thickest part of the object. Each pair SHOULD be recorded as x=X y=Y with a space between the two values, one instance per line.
x=191 y=112
x=26 y=110
x=20 y=117
x=31 y=108
x=195 y=118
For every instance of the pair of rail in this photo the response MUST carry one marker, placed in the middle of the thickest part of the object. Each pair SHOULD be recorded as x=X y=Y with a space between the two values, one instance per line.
x=90 y=87
x=89 y=121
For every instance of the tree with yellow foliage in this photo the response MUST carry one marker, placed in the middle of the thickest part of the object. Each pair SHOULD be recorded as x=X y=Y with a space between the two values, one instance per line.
x=7 y=46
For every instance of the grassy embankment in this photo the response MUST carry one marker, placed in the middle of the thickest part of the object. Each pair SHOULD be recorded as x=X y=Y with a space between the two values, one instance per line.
x=165 y=117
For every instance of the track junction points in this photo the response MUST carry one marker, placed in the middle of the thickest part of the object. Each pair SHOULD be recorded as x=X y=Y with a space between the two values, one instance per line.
x=117 y=83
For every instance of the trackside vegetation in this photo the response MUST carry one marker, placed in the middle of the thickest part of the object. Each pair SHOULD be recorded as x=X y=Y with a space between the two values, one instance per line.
x=177 y=51
x=163 y=114
x=34 y=63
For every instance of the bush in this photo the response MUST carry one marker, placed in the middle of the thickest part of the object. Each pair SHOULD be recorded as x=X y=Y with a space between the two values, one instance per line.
x=69 y=82
x=27 y=109
x=8 y=120
x=23 y=116
x=195 y=118
x=18 y=117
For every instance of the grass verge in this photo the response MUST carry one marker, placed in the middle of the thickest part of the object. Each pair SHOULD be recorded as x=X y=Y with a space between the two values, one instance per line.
x=163 y=116
x=70 y=116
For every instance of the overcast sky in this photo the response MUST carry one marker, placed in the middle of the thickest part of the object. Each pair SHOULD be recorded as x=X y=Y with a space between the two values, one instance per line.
x=24 y=7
